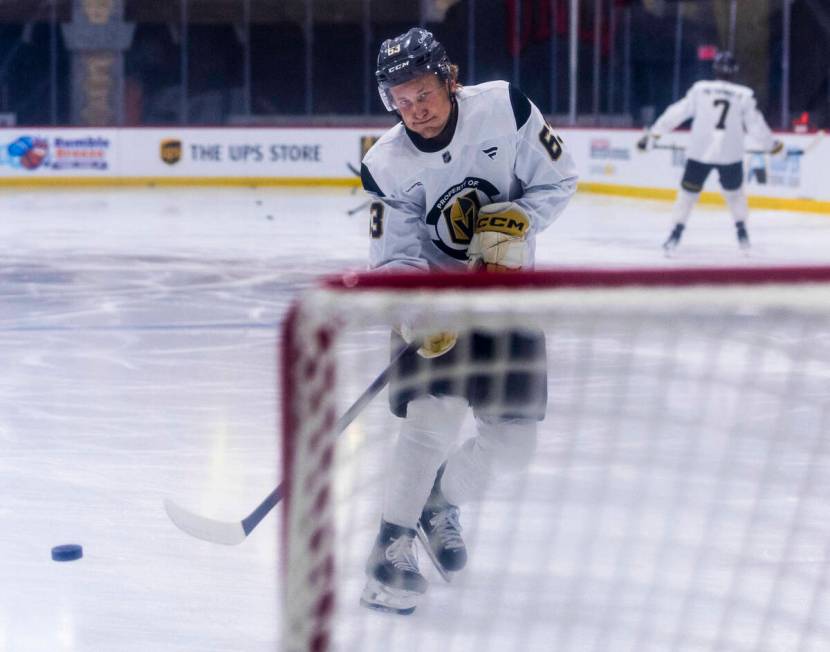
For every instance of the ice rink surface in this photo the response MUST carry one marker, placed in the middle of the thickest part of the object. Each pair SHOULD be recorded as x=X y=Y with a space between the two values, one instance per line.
x=138 y=333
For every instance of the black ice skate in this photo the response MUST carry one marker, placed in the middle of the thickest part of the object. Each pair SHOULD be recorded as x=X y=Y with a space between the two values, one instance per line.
x=440 y=532
x=394 y=581
x=743 y=236
x=674 y=237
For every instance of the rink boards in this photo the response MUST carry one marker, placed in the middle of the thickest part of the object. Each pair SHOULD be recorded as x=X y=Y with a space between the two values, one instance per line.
x=607 y=159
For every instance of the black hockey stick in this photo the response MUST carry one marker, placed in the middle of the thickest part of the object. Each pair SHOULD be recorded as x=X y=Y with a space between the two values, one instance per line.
x=354 y=211
x=232 y=533
x=681 y=148
x=672 y=147
x=357 y=209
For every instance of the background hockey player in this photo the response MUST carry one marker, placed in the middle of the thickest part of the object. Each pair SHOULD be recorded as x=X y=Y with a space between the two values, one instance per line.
x=721 y=112
x=467 y=179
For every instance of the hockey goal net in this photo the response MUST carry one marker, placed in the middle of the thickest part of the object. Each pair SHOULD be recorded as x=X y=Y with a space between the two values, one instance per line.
x=679 y=498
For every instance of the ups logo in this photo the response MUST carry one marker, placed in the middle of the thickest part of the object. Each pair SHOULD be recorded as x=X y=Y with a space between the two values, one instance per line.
x=171 y=151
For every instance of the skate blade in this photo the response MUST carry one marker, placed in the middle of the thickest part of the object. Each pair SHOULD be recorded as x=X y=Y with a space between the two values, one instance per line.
x=380 y=597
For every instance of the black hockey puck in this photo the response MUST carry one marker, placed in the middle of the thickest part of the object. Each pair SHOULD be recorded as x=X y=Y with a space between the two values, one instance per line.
x=67 y=552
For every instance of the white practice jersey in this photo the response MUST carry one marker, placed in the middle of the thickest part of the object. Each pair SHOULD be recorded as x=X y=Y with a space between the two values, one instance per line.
x=426 y=202
x=722 y=113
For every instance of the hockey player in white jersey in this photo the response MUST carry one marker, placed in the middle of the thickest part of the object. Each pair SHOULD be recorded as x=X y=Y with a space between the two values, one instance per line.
x=466 y=180
x=722 y=112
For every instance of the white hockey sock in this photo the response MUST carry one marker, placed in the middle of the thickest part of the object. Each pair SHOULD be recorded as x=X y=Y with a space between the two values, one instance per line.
x=683 y=205
x=737 y=203
x=502 y=446
x=428 y=433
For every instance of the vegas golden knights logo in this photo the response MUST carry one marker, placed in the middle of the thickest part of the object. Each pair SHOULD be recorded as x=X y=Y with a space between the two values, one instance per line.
x=452 y=219
x=461 y=216
x=366 y=143
x=171 y=151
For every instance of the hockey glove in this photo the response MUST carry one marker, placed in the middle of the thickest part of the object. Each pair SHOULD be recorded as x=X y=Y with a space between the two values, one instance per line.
x=434 y=344
x=647 y=142
x=499 y=241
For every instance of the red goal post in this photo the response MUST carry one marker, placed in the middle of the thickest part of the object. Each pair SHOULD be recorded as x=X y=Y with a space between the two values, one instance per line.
x=679 y=496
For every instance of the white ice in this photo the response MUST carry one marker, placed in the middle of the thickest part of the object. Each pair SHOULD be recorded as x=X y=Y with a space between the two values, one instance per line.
x=138 y=337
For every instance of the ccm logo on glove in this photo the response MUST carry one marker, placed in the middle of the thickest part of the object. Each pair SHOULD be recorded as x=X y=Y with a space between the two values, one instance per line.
x=510 y=222
x=499 y=242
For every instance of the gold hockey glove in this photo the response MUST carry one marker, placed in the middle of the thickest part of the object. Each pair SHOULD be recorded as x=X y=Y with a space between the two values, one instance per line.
x=434 y=344
x=499 y=241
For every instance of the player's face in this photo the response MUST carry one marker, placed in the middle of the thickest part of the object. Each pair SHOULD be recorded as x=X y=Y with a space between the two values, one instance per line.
x=424 y=104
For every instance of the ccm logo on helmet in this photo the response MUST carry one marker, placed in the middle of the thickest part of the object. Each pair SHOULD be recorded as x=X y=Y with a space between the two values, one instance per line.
x=399 y=66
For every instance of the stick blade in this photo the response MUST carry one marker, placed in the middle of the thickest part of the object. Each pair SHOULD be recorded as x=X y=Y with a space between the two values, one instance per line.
x=206 y=529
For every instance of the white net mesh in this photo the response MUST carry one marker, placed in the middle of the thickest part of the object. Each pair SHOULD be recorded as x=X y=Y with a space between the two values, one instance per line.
x=678 y=499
